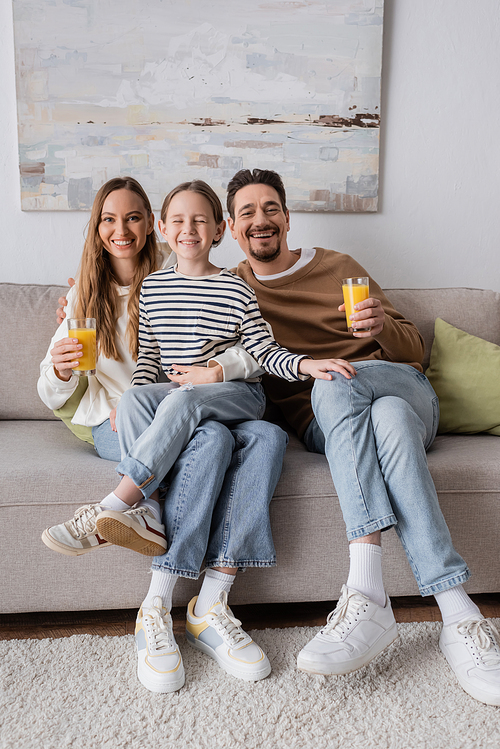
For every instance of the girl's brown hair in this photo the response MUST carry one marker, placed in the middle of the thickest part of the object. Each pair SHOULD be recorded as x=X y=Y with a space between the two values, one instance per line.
x=97 y=286
x=197 y=185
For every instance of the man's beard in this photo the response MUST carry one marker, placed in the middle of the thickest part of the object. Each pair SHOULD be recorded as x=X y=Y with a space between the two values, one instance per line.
x=265 y=254
x=268 y=258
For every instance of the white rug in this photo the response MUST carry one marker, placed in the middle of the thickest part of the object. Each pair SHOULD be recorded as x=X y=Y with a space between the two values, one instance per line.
x=82 y=692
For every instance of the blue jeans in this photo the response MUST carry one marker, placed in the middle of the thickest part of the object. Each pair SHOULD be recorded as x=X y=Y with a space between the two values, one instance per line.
x=374 y=430
x=217 y=505
x=106 y=442
x=155 y=423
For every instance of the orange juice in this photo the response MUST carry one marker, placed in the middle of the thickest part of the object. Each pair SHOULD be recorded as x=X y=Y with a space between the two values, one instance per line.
x=87 y=337
x=354 y=293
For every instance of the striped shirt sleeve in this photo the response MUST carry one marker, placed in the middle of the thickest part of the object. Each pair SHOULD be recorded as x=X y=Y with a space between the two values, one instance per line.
x=256 y=339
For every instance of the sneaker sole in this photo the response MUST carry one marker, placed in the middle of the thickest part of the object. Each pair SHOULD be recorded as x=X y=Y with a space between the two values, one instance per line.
x=69 y=551
x=244 y=675
x=477 y=694
x=340 y=669
x=153 y=686
x=122 y=531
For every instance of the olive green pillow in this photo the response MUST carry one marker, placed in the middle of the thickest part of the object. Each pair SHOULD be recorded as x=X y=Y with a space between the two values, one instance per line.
x=465 y=373
x=67 y=412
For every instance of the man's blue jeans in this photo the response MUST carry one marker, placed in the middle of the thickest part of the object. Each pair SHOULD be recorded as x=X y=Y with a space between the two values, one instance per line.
x=155 y=423
x=374 y=430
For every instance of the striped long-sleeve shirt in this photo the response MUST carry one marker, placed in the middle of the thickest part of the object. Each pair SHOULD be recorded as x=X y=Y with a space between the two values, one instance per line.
x=188 y=320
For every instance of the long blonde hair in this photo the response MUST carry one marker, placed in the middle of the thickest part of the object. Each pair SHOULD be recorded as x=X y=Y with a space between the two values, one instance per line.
x=97 y=286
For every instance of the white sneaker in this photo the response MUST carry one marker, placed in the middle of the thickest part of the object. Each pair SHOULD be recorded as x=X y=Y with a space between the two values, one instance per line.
x=472 y=651
x=78 y=536
x=219 y=635
x=136 y=529
x=354 y=634
x=159 y=665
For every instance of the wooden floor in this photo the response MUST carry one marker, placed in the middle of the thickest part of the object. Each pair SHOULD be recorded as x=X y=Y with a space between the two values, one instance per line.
x=121 y=622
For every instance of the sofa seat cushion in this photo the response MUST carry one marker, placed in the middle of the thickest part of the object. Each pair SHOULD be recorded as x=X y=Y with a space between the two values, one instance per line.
x=465 y=463
x=44 y=462
x=35 y=452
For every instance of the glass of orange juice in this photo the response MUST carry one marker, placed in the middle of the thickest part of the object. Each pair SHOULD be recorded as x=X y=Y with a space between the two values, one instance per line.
x=354 y=290
x=84 y=329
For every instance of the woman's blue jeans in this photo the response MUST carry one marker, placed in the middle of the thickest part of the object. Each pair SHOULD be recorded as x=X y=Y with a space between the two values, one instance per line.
x=374 y=430
x=106 y=442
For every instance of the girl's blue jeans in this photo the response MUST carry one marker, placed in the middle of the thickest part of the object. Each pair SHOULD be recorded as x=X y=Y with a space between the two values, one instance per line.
x=217 y=503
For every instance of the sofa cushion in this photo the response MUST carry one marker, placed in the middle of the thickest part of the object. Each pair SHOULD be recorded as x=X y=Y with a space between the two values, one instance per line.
x=465 y=373
x=477 y=311
x=28 y=315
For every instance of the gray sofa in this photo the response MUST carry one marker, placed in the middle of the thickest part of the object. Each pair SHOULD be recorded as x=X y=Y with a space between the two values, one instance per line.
x=46 y=473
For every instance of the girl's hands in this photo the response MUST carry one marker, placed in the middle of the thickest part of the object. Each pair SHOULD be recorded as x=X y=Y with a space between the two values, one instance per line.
x=65 y=355
x=112 y=419
x=197 y=375
x=320 y=368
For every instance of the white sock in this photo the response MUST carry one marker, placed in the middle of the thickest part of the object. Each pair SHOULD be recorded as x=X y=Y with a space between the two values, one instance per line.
x=365 y=571
x=152 y=505
x=213 y=584
x=456 y=606
x=112 y=502
x=162 y=584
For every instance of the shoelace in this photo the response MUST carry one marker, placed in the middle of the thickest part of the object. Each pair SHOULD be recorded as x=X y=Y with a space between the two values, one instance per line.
x=138 y=511
x=483 y=634
x=230 y=625
x=83 y=522
x=340 y=618
x=161 y=632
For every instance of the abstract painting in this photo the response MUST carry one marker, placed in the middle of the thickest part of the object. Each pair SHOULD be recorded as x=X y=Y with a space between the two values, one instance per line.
x=174 y=90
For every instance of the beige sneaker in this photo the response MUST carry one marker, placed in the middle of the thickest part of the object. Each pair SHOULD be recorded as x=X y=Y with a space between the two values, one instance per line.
x=136 y=529
x=78 y=535
x=219 y=634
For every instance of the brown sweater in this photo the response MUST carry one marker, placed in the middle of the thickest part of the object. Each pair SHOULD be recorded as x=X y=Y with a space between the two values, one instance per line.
x=303 y=311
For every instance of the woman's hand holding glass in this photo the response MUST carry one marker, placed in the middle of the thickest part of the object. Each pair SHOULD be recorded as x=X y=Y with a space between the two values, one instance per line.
x=65 y=356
